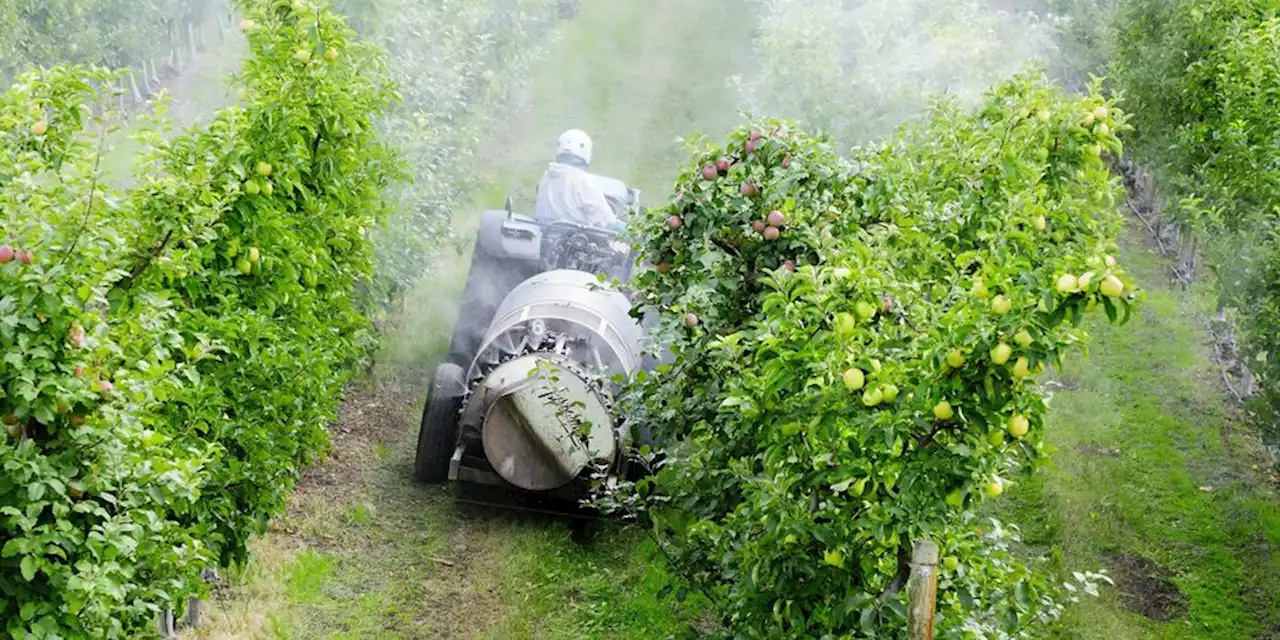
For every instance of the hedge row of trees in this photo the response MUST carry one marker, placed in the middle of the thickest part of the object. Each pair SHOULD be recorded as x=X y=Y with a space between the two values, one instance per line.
x=856 y=337
x=856 y=345
x=1203 y=81
x=173 y=353
x=111 y=33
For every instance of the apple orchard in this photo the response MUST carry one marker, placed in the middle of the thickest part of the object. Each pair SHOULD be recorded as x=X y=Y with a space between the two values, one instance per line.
x=857 y=342
x=857 y=339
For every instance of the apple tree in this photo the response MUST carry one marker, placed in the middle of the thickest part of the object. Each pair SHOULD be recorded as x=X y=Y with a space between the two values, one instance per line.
x=173 y=352
x=112 y=33
x=1199 y=78
x=853 y=348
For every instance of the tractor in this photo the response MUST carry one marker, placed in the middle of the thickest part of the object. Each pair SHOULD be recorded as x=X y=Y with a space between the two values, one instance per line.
x=520 y=413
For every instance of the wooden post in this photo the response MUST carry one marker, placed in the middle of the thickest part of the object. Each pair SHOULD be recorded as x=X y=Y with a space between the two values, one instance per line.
x=922 y=588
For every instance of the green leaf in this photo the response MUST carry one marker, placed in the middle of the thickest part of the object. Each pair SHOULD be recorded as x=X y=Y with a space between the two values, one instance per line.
x=28 y=566
x=12 y=547
x=1020 y=595
x=867 y=620
x=1110 y=308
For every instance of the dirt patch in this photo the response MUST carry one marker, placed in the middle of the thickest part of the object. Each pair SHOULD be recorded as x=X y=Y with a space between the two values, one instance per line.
x=1096 y=450
x=1145 y=587
x=372 y=414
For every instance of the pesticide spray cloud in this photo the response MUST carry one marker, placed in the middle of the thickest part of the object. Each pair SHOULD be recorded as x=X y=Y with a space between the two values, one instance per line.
x=859 y=68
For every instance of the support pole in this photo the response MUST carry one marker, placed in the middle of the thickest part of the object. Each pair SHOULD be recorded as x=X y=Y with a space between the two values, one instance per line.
x=133 y=88
x=922 y=588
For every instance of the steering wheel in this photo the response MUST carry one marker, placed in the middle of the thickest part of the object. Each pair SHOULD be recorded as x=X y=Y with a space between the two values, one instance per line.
x=569 y=245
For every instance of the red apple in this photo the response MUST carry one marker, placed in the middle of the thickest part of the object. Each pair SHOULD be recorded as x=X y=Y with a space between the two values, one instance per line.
x=748 y=189
x=674 y=222
x=722 y=165
x=771 y=233
x=758 y=226
x=755 y=135
x=786 y=162
x=751 y=146
x=709 y=173
x=6 y=254
x=776 y=219
x=789 y=266
x=79 y=372
x=691 y=321
x=25 y=257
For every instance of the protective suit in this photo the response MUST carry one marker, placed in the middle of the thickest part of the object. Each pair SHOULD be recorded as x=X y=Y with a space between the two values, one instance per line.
x=566 y=192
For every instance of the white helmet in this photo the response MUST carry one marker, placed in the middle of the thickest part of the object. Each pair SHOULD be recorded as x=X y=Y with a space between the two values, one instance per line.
x=575 y=142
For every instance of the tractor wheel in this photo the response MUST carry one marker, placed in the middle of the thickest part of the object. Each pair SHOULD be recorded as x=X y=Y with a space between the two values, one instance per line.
x=585 y=531
x=439 y=433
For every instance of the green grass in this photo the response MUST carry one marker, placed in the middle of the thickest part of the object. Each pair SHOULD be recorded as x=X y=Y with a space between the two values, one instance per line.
x=1151 y=461
x=575 y=593
x=307 y=575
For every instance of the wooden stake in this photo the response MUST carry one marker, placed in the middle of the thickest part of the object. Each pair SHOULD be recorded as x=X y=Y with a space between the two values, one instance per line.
x=922 y=588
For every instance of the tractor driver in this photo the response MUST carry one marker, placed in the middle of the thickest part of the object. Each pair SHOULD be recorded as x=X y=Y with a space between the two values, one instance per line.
x=567 y=192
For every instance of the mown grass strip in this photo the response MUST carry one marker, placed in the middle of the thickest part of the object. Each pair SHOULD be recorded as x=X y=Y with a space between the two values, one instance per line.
x=1153 y=464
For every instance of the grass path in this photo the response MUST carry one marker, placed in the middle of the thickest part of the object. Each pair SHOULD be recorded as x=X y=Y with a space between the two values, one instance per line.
x=1156 y=478
x=366 y=552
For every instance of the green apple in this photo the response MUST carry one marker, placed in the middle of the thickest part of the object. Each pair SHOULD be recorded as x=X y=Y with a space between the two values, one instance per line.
x=943 y=410
x=1111 y=287
x=889 y=392
x=1018 y=426
x=865 y=310
x=1023 y=338
x=1000 y=353
x=1001 y=305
